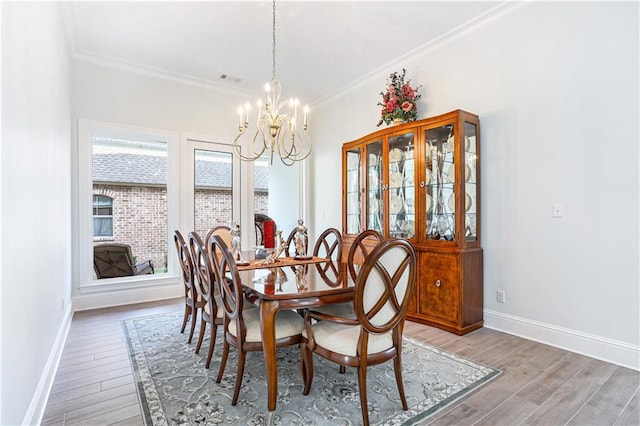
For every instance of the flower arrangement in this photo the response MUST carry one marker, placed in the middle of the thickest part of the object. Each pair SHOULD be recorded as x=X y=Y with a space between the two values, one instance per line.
x=399 y=100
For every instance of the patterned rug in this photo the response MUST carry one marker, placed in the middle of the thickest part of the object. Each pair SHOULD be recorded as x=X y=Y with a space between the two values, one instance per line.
x=174 y=387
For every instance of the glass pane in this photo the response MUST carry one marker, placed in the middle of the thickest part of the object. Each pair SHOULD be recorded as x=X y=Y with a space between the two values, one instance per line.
x=374 y=186
x=353 y=191
x=401 y=187
x=439 y=183
x=132 y=175
x=213 y=191
x=471 y=187
x=102 y=226
x=260 y=197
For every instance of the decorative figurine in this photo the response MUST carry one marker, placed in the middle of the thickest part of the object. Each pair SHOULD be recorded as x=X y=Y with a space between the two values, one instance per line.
x=301 y=238
x=235 y=244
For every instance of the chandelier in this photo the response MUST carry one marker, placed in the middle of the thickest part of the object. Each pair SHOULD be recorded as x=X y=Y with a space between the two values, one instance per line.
x=277 y=132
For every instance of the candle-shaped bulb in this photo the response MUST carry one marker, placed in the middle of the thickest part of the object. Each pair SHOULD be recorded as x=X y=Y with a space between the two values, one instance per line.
x=240 y=118
x=247 y=107
x=267 y=89
x=306 y=112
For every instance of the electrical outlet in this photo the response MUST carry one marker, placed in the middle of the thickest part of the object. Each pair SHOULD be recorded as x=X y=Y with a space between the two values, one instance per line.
x=500 y=296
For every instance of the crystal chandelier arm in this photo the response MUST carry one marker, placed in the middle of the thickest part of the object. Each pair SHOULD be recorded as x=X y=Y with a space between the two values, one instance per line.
x=293 y=146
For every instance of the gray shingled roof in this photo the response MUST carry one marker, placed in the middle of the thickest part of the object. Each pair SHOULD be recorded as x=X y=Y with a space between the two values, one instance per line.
x=152 y=170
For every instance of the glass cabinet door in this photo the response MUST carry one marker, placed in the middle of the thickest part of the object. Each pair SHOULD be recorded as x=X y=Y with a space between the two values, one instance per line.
x=374 y=186
x=471 y=187
x=353 y=192
x=439 y=183
x=401 y=178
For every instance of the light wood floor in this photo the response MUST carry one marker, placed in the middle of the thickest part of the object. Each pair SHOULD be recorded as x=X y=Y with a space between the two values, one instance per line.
x=540 y=385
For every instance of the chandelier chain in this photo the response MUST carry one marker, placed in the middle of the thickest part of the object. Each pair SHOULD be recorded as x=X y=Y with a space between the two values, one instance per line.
x=273 y=44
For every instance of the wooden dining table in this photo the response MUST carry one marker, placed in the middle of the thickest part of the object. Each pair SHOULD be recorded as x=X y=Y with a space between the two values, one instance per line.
x=289 y=284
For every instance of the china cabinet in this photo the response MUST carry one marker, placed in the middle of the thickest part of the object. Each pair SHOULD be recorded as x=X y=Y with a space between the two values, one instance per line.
x=421 y=181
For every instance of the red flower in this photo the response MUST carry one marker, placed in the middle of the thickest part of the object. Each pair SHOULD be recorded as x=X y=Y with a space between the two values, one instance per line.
x=399 y=99
x=408 y=91
x=391 y=106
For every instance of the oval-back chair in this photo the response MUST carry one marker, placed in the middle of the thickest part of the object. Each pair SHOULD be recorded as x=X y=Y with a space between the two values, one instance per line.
x=382 y=294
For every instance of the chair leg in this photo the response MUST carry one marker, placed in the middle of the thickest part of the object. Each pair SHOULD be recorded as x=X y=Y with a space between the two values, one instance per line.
x=397 y=367
x=342 y=369
x=223 y=361
x=194 y=316
x=203 y=327
x=306 y=365
x=241 y=359
x=362 y=386
x=212 y=343
x=187 y=314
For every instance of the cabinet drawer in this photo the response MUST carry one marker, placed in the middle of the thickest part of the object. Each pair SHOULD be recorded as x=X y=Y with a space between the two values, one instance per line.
x=439 y=286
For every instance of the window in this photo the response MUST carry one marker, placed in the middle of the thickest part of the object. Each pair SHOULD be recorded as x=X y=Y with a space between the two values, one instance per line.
x=102 y=216
x=126 y=195
x=133 y=170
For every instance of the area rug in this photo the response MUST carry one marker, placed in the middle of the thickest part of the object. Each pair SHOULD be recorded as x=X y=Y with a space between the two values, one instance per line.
x=174 y=387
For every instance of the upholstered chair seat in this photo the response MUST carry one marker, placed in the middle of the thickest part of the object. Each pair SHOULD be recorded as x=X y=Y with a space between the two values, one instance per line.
x=289 y=323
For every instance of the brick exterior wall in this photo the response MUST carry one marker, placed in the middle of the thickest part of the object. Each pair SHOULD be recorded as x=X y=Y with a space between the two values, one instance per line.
x=140 y=217
x=213 y=208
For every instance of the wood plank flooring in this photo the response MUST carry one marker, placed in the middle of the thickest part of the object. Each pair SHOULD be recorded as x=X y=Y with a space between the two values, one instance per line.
x=540 y=384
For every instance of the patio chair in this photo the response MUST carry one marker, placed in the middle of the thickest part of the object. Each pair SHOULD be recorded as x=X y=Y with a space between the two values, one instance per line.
x=115 y=260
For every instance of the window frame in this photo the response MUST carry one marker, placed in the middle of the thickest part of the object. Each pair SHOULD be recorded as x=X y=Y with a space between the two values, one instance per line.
x=83 y=254
x=243 y=178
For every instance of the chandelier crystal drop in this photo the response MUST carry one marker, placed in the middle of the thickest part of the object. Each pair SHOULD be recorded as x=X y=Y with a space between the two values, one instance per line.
x=278 y=124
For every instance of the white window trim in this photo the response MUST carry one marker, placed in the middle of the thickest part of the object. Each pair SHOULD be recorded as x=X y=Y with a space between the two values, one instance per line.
x=242 y=199
x=83 y=256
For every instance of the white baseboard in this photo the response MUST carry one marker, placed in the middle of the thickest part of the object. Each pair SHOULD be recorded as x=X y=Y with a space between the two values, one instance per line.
x=88 y=301
x=41 y=395
x=609 y=350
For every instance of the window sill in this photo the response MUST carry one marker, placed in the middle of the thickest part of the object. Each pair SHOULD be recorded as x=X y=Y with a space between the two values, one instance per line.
x=128 y=283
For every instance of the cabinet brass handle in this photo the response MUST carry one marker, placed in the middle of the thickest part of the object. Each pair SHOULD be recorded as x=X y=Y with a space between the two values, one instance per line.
x=438 y=283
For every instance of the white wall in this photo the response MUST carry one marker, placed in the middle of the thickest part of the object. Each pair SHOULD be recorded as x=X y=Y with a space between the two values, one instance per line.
x=556 y=88
x=36 y=219
x=284 y=189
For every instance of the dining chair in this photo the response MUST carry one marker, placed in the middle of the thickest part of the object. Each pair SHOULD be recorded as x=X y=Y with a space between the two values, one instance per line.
x=222 y=231
x=212 y=312
x=360 y=248
x=383 y=290
x=242 y=326
x=358 y=252
x=290 y=244
x=329 y=245
x=193 y=302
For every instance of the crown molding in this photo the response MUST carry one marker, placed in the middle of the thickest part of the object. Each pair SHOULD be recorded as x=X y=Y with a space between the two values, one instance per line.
x=155 y=72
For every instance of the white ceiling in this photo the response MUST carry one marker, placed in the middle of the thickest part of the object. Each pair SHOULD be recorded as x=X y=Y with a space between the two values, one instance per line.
x=322 y=46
